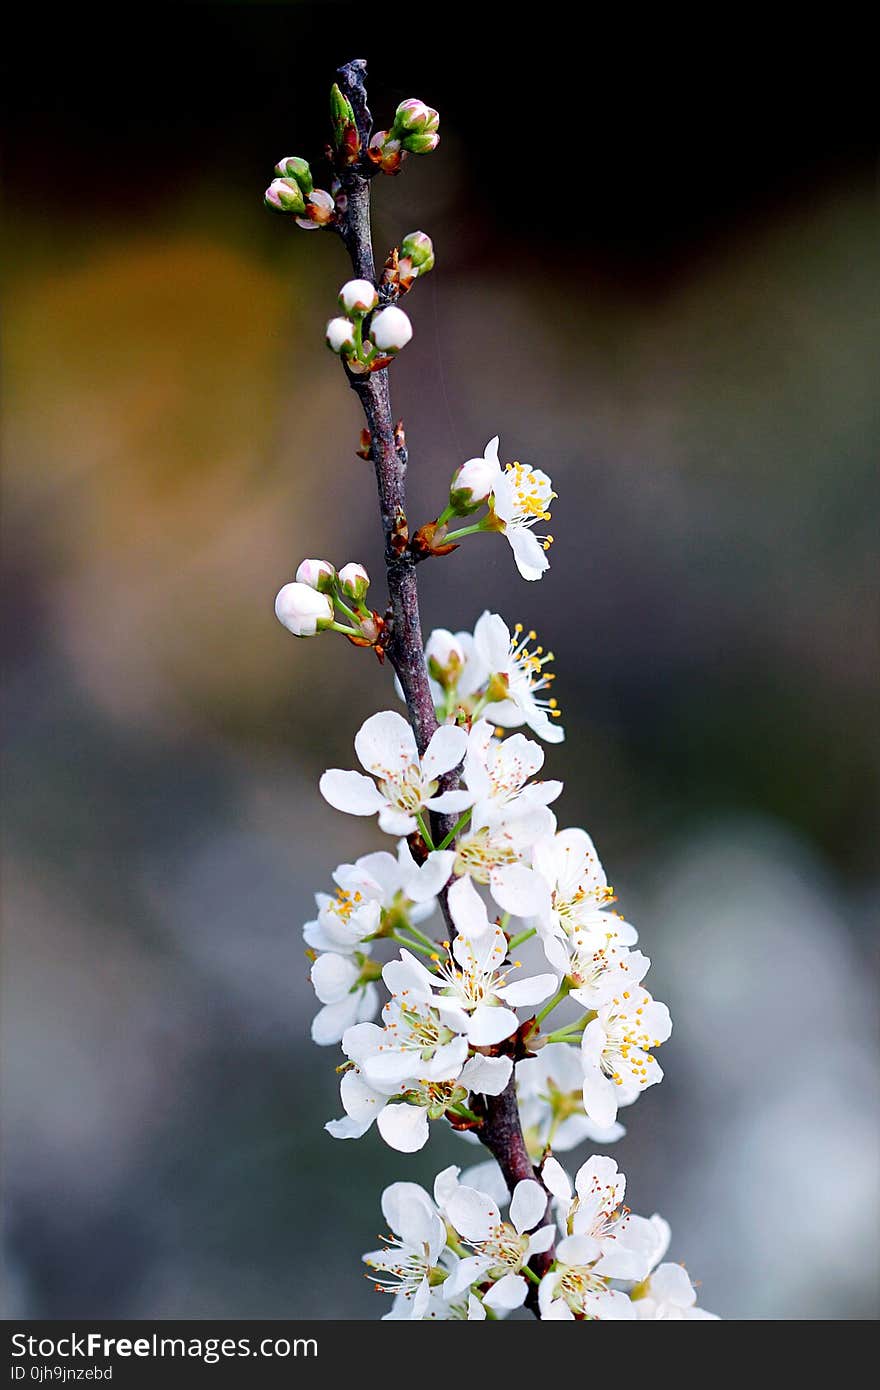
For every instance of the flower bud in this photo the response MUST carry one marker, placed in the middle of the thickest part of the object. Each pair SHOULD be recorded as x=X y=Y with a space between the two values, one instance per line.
x=354 y=582
x=445 y=657
x=319 y=210
x=472 y=484
x=292 y=167
x=391 y=329
x=418 y=248
x=340 y=335
x=420 y=144
x=317 y=574
x=414 y=117
x=302 y=610
x=285 y=195
x=358 y=297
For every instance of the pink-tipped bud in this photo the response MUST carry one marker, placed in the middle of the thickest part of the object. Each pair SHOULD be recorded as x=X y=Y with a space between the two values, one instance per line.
x=317 y=574
x=415 y=118
x=391 y=329
x=292 y=167
x=302 y=610
x=284 y=195
x=353 y=582
x=340 y=335
x=418 y=249
x=358 y=297
x=420 y=144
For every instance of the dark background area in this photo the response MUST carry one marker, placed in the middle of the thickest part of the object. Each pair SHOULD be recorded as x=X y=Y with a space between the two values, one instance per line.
x=656 y=277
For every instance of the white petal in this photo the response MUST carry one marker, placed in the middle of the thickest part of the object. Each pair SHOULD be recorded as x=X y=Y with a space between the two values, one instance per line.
x=491 y=1024
x=528 y=552
x=509 y=1292
x=351 y=792
x=541 y=1240
x=487 y=1076
x=445 y=751
x=527 y=1205
x=468 y=909
x=385 y=743
x=557 y=1180
x=427 y=880
x=404 y=1127
x=600 y=1101
x=332 y=1020
x=333 y=977
x=472 y=1213
x=525 y=993
x=520 y=891
x=451 y=802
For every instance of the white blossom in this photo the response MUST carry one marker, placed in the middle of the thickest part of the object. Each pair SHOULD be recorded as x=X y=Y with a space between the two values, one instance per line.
x=594 y=964
x=517 y=676
x=406 y=1267
x=520 y=499
x=345 y=988
x=473 y=482
x=405 y=785
x=498 y=772
x=669 y=1296
x=549 y=1089
x=617 y=1052
x=579 y=890
x=500 y=1248
x=317 y=574
x=470 y=989
x=498 y=853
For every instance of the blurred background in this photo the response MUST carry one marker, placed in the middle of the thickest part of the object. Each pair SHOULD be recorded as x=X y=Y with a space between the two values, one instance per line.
x=657 y=275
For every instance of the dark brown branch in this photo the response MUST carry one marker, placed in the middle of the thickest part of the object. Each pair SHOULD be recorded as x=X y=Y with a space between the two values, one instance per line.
x=501 y=1131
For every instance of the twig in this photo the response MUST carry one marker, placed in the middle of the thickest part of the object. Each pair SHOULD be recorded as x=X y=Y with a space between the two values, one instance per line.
x=501 y=1130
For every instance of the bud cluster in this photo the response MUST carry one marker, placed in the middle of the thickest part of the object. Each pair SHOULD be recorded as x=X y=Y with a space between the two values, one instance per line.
x=390 y=329
x=413 y=131
x=308 y=605
x=293 y=190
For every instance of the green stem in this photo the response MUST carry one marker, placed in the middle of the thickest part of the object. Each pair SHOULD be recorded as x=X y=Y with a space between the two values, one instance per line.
x=447 y=841
x=523 y=936
x=413 y=945
x=465 y=1113
x=565 y=1034
x=445 y=515
x=557 y=999
x=349 y=631
x=426 y=834
x=420 y=935
x=530 y=1274
x=464 y=531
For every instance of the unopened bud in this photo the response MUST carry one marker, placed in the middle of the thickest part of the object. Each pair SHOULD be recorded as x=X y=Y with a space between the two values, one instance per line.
x=358 y=297
x=292 y=167
x=414 y=117
x=340 y=335
x=317 y=574
x=302 y=610
x=285 y=195
x=319 y=210
x=445 y=657
x=418 y=248
x=472 y=484
x=354 y=582
x=391 y=329
x=420 y=144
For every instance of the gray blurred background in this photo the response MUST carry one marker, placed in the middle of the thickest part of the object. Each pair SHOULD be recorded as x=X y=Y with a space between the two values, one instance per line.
x=657 y=278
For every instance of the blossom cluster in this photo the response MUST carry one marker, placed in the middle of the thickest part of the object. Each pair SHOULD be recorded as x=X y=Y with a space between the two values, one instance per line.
x=453 y=1255
x=459 y=1016
x=438 y=1030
